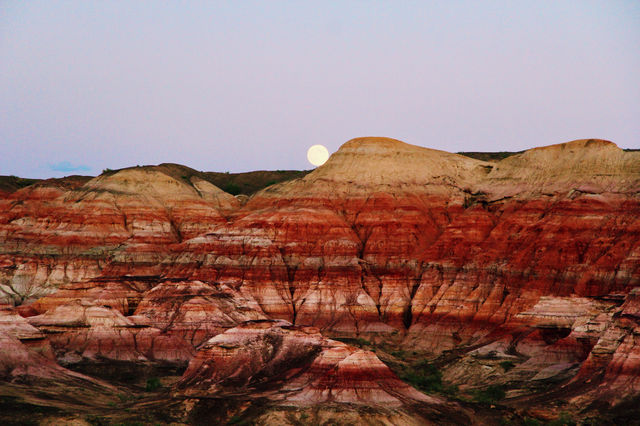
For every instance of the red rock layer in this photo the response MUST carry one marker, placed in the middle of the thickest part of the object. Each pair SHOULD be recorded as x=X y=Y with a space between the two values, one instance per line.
x=558 y=247
x=81 y=332
x=195 y=311
x=128 y=320
x=115 y=223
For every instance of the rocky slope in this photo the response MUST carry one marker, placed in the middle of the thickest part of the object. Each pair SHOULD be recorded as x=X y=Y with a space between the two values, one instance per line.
x=32 y=381
x=532 y=261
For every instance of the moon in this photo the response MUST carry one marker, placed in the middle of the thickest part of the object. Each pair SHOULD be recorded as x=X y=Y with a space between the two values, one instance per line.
x=317 y=155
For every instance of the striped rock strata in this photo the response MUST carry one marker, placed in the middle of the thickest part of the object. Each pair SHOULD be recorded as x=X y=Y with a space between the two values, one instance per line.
x=431 y=250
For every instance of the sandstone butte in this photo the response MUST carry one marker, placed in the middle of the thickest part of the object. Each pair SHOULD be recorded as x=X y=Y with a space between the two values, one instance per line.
x=521 y=275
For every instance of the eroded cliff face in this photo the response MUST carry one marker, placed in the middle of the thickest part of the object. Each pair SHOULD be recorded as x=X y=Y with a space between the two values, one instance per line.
x=531 y=260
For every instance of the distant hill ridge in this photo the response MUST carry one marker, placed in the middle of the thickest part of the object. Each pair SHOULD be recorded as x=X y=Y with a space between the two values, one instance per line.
x=243 y=183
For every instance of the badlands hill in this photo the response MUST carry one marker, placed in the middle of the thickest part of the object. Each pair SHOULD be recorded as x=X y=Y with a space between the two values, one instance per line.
x=395 y=284
x=377 y=164
x=235 y=183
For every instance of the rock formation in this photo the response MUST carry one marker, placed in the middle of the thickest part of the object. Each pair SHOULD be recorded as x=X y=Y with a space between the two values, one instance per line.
x=531 y=260
x=298 y=367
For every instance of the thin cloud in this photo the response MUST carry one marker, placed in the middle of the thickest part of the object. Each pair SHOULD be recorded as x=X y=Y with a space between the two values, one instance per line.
x=65 y=166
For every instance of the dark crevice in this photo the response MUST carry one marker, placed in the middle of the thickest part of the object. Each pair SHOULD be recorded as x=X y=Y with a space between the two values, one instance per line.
x=407 y=317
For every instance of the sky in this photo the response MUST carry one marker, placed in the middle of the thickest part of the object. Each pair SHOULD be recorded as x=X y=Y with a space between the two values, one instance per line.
x=251 y=85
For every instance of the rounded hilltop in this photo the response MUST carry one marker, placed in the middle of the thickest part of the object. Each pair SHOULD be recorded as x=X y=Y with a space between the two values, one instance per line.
x=590 y=165
x=160 y=183
x=373 y=164
x=394 y=160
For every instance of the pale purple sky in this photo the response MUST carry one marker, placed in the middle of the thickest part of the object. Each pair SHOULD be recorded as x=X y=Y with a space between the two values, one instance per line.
x=241 y=85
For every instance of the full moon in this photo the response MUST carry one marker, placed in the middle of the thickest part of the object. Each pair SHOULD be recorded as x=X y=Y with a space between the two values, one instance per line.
x=317 y=155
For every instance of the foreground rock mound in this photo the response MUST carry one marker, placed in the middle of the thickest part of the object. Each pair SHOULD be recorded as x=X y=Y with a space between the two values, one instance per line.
x=297 y=366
